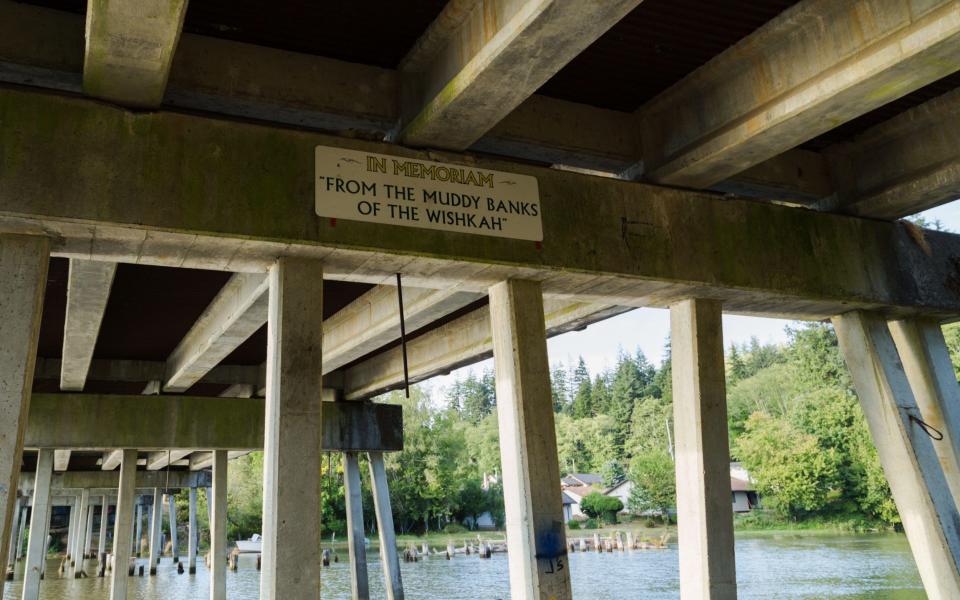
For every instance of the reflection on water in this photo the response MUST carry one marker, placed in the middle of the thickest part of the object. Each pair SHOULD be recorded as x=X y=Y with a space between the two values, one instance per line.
x=772 y=567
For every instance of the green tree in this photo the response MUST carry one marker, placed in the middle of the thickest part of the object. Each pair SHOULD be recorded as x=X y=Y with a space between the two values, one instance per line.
x=582 y=405
x=654 y=483
x=559 y=389
x=598 y=506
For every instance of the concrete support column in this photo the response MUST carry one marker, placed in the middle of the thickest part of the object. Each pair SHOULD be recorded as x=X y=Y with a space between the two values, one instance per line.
x=138 y=535
x=39 y=524
x=536 y=539
x=122 y=524
x=389 y=557
x=14 y=533
x=72 y=527
x=172 y=517
x=218 y=528
x=359 y=581
x=194 y=534
x=156 y=518
x=23 y=278
x=910 y=462
x=22 y=531
x=291 y=461
x=80 y=542
x=704 y=515
x=88 y=535
x=104 y=524
x=926 y=361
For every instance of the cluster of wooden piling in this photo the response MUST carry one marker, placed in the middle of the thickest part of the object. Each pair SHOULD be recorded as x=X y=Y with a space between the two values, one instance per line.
x=481 y=548
x=619 y=541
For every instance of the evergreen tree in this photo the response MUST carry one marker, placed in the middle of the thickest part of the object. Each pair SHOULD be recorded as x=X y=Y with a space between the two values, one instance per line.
x=582 y=405
x=559 y=389
x=737 y=368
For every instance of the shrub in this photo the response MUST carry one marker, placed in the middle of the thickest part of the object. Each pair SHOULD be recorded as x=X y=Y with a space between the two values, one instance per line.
x=590 y=524
x=602 y=507
x=649 y=523
x=454 y=528
x=573 y=524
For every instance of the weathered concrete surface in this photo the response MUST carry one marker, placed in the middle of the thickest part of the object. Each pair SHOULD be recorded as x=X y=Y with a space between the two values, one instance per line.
x=236 y=313
x=704 y=518
x=111 y=460
x=147 y=422
x=23 y=278
x=156 y=526
x=817 y=65
x=123 y=526
x=218 y=528
x=202 y=182
x=496 y=57
x=926 y=362
x=161 y=459
x=104 y=527
x=917 y=483
x=460 y=342
x=362 y=427
x=536 y=538
x=39 y=523
x=903 y=166
x=193 y=532
x=389 y=558
x=137 y=371
x=80 y=538
x=88 y=288
x=292 y=457
x=129 y=49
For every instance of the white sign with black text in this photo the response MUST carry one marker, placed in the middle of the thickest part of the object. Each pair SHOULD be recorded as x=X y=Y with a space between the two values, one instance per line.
x=378 y=188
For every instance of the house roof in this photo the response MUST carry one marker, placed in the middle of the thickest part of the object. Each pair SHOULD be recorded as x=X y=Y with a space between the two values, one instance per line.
x=579 y=492
x=567 y=500
x=616 y=486
x=575 y=479
x=739 y=485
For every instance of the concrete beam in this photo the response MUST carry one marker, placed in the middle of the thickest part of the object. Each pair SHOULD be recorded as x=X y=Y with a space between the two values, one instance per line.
x=61 y=460
x=903 y=166
x=632 y=244
x=200 y=461
x=236 y=313
x=129 y=49
x=88 y=289
x=94 y=421
x=797 y=176
x=164 y=458
x=498 y=53
x=109 y=480
x=362 y=427
x=373 y=320
x=111 y=460
x=460 y=342
x=146 y=371
x=817 y=65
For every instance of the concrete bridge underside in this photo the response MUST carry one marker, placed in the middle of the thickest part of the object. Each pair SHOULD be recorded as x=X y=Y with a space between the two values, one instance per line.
x=169 y=297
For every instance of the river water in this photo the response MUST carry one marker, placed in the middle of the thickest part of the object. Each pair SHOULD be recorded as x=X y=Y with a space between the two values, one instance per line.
x=769 y=566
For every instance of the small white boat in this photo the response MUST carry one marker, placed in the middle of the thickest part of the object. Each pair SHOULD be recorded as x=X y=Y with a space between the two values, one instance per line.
x=253 y=545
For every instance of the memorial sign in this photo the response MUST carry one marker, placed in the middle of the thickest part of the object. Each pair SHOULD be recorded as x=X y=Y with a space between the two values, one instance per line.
x=379 y=188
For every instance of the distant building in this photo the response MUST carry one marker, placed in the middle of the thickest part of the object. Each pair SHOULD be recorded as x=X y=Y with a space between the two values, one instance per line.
x=621 y=491
x=576 y=494
x=581 y=479
x=745 y=497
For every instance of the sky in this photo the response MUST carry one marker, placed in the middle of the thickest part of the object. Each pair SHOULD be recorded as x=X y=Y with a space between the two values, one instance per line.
x=648 y=328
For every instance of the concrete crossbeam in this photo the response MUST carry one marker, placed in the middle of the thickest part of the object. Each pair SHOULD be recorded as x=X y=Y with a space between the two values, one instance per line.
x=455 y=344
x=903 y=166
x=88 y=288
x=236 y=313
x=498 y=53
x=138 y=371
x=164 y=458
x=109 y=480
x=634 y=244
x=111 y=460
x=817 y=65
x=129 y=49
x=61 y=460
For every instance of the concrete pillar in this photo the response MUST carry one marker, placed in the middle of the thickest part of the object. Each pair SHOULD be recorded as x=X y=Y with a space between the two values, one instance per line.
x=156 y=519
x=22 y=531
x=80 y=541
x=704 y=514
x=39 y=523
x=23 y=278
x=88 y=536
x=917 y=481
x=138 y=536
x=122 y=524
x=926 y=361
x=389 y=557
x=359 y=581
x=14 y=533
x=104 y=524
x=72 y=527
x=536 y=539
x=292 y=457
x=194 y=534
x=172 y=518
x=218 y=528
